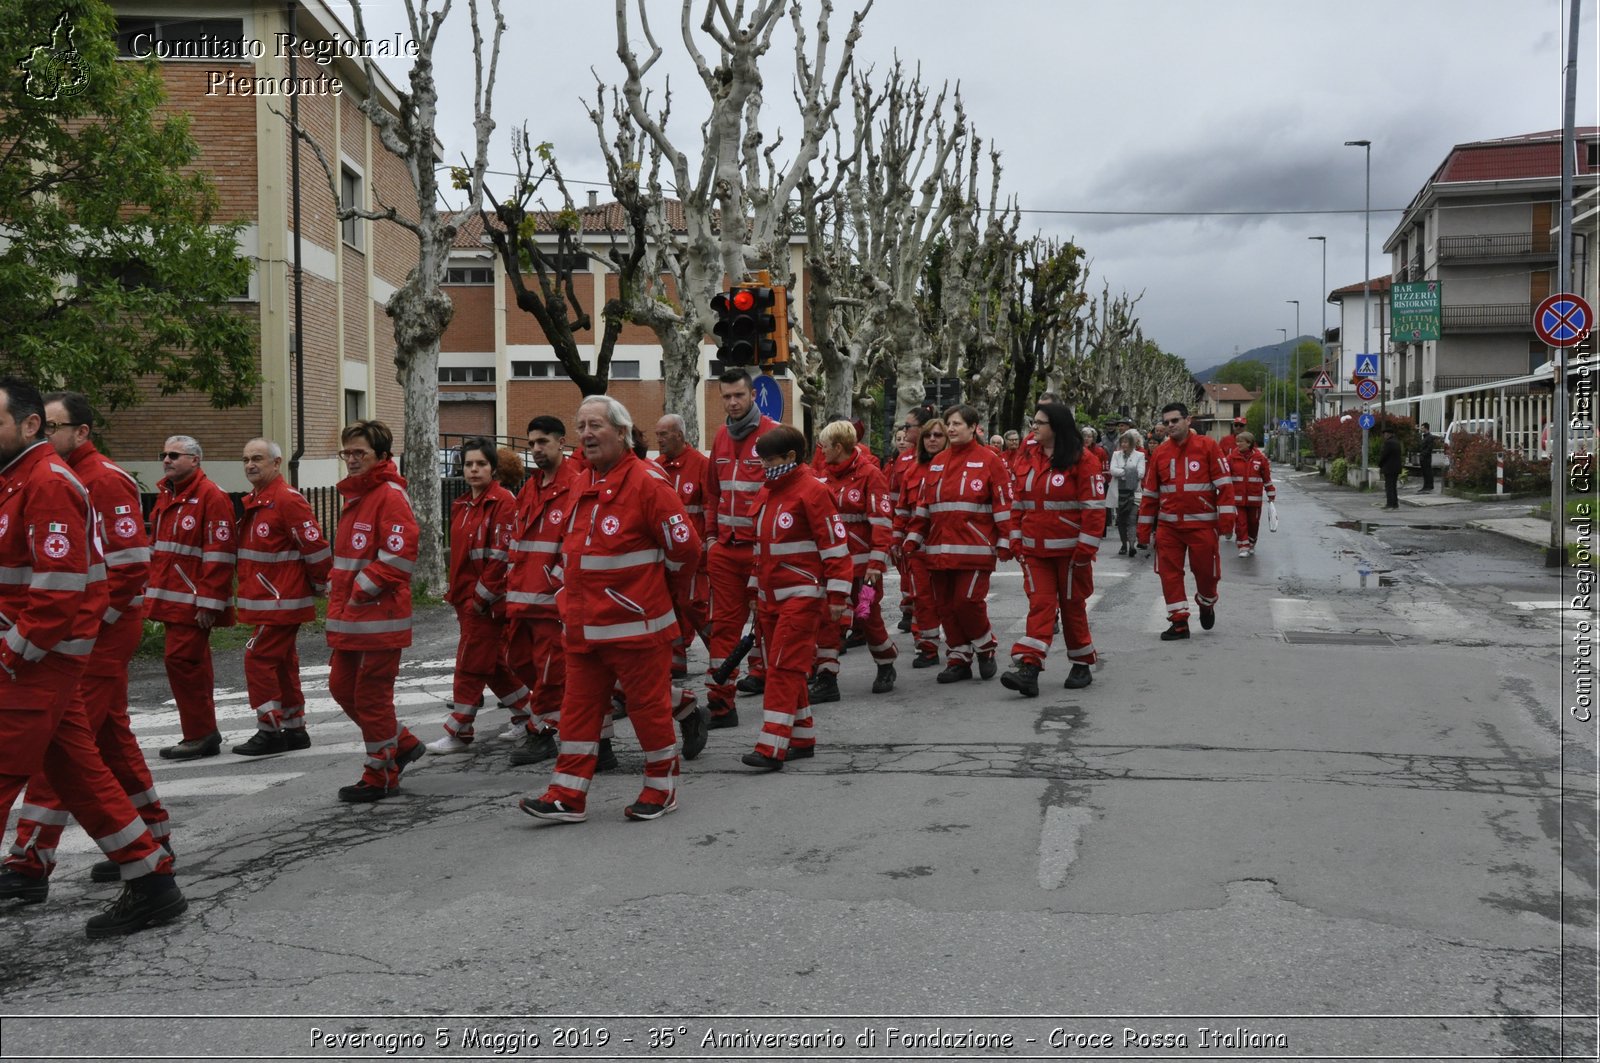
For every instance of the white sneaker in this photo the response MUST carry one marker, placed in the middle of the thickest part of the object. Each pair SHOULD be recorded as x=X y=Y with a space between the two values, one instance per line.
x=1249 y=551
x=512 y=732
x=1244 y=551
x=448 y=743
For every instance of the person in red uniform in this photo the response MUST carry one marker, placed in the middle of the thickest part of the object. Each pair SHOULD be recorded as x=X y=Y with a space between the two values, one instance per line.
x=627 y=540
x=730 y=494
x=1189 y=492
x=533 y=626
x=369 y=605
x=191 y=585
x=102 y=692
x=1230 y=442
x=860 y=496
x=481 y=523
x=931 y=442
x=688 y=470
x=284 y=565
x=802 y=558
x=1252 y=489
x=963 y=525
x=53 y=601
x=1060 y=502
x=908 y=435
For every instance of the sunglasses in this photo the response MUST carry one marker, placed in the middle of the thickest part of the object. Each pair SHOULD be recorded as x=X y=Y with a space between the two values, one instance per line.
x=173 y=455
x=1172 y=420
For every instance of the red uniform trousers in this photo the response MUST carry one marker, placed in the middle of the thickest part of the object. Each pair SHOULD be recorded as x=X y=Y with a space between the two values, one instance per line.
x=1056 y=583
x=536 y=657
x=645 y=674
x=924 y=608
x=481 y=662
x=903 y=567
x=272 y=678
x=959 y=596
x=1247 y=526
x=789 y=629
x=830 y=635
x=728 y=568
x=362 y=682
x=1200 y=544
x=102 y=693
x=188 y=660
x=43 y=729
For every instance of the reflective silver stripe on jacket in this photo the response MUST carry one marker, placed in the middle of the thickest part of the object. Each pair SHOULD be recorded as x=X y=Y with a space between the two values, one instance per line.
x=17 y=575
x=803 y=591
x=741 y=485
x=529 y=598
x=217 y=557
x=365 y=582
x=349 y=564
x=396 y=560
x=163 y=547
x=836 y=551
x=58 y=581
x=245 y=605
x=838 y=586
x=320 y=556
x=1175 y=517
x=971 y=551
x=957 y=507
x=30 y=652
x=134 y=555
x=161 y=594
x=530 y=546
x=612 y=562
x=1049 y=544
x=779 y=549
x=367 y=627
x=266 y=558
x=632 y=629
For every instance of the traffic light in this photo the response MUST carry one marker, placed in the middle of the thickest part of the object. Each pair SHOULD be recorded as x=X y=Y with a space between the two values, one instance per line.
x=751 y=326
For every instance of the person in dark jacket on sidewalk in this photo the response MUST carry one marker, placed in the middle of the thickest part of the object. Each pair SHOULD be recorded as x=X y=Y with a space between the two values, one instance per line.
x=1425 y=455
x=1389 y=461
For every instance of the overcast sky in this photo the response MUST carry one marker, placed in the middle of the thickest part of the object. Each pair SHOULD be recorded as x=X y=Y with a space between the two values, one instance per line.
x=1128 y=106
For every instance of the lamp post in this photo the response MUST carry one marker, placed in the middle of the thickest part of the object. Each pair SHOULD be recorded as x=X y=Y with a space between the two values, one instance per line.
x=1322 y=337
x=1294 y=378
x=1366 y=289
x=1266 y=427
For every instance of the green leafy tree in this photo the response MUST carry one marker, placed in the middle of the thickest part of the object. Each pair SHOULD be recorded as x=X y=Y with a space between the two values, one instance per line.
x=113 y=267
x=1251 y=374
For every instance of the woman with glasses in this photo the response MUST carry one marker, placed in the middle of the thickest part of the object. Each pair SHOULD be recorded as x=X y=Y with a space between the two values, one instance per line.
x=962 y=525
x=1061 y=511
x=915 y=577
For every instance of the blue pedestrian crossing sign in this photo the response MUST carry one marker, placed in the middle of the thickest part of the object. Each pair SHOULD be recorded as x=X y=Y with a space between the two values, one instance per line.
x=1366 y=365
x=1367 y=420
x=1294 y=421
x=1284 y=424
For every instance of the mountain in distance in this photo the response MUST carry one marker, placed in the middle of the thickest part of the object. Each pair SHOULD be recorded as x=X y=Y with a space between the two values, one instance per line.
x=1275 y=355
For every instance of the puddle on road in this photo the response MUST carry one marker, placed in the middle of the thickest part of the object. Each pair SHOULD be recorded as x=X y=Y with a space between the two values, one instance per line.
x=1369 y=527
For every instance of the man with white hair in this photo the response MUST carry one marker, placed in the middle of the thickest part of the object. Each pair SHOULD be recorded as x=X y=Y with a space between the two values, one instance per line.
x=191 y=583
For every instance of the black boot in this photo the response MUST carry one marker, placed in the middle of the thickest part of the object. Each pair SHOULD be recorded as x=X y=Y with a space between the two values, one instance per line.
x=606 y=758
x=926 y=660
x=263 y=744
x=145 y=901
x=1079 y=677
x=954 y=673
x=885 y=680
x=1024 y=679
x=986 y=665
x=824 y=688
x=111 y=871
x=15 y=886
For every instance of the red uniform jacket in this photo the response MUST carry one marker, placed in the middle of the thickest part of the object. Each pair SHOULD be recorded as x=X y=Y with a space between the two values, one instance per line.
x=374 y=554
x=688 y=474
x=963 y=515
x=627 y=539
x=535 y=546
x=480 y=538
x=192 y=559
x=860 y=496
x=284 y=559
x=114 y=496
x=1187 y=486
x=1060 y=511
x=1252 y=478
x=896 y=473
x=802 y=550
x=737 y=475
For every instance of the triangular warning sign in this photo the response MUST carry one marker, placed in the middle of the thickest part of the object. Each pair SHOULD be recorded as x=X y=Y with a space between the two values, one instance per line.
x=1323 y=382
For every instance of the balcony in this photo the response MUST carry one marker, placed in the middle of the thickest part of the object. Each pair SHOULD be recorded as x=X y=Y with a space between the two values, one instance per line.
x=1496 y=247
x=1487 y=317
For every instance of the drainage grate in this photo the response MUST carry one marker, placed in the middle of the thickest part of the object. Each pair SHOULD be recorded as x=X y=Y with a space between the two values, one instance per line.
x=1337 y=638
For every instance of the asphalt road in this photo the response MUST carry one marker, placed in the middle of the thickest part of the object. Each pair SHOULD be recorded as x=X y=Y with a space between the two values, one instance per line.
x=1350 y=821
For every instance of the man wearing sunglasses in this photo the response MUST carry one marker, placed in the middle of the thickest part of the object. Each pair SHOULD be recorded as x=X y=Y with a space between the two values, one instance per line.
x=1188 y=489
x=191 y=584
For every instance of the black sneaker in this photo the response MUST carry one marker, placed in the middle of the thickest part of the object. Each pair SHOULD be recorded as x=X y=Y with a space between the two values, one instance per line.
x=762 y=761
x=539 y=808
x=955 y=673
x=884 y=682
x=824 y=688
x=800 y=753
x=111 y=871
x=719 y=720
x=298 y=738
x=15 y=886
x=533 y=748
x=263 y=744
x=404 y=757
x=605 y=759
x=148 y=900
x=752 y=684
x=905 y=621
x=1208 y=617
x=651 y=809
x=363 y=793
x=926 y=660
x=696 y=730
x=1024 y=679
x=1079 y=677
x=1175 y=632
x=194 y=748
x=986 y=665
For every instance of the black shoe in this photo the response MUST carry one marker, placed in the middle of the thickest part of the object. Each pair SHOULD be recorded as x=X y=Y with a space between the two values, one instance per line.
x=605 y=759
x=696 y=730
x=955 y=673
x=15 y=886
x=539 y=808
x=752 y=684
x=824 y=688
x=884 y=682
x=926 y=660
x=195 y=748
x=405 y=757
x=801 y=753
x=619 y=707
x=263 y=744
x=299 y=738
x=719 y=720
x=148 y=900
x=111 y=871
x=363 y=793
x=647 y=810
x=1024 y=679
x=1175 y=632
x=1122 y=550
x=1208 y=617
x=905 y=621
x=533 y=748
x=1079 y=677
x=855 y=640
x=987 y=666
x=762 y=761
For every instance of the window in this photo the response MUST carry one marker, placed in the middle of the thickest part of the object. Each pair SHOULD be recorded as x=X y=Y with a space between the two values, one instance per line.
x=624 y=370
x=454 y=374
x=531 y=370
x=1236 y=409
x=183 y=38
x=350 y=196
x=1594 y=153
x=469 y=275
x=355 y=405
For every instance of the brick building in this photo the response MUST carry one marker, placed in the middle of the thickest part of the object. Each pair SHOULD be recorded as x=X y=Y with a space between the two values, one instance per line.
x=227 y=66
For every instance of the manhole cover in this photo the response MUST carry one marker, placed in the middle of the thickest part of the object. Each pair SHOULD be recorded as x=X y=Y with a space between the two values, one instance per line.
x=1336 y=638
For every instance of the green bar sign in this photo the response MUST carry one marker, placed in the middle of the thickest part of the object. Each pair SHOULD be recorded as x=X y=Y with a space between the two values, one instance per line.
x=1414 y=311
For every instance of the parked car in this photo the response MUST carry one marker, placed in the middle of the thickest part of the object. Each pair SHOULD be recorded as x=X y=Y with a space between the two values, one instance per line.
x=1580 y=440
x=1477 y=426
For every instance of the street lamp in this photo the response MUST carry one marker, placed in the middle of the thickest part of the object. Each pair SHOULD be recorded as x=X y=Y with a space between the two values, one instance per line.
x=1366 y=285
x=1266 y=425
x=1322 y=337
x=1294 y=365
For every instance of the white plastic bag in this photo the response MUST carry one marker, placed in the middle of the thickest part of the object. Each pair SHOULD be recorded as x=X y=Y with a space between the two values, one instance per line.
x=1272 y=516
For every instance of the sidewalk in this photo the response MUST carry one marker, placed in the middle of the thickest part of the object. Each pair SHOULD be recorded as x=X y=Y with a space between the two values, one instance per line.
x=1529 y=530
x=1481 y=515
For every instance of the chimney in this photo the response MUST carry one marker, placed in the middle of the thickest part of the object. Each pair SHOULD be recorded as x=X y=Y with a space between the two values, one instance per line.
x=594 y=199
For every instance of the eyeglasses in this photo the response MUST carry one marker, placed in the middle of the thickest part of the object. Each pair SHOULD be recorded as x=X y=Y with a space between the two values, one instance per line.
x=1039 y=422
x=1172 y=420
x=173 y=455
x=56 y=426
x=352 y=455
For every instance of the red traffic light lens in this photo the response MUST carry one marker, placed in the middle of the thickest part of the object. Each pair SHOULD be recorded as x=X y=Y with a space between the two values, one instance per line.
x=744 y=299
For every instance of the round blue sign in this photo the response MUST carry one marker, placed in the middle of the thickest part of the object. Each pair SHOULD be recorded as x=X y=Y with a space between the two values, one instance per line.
x=1367 y=420
x=769 y=397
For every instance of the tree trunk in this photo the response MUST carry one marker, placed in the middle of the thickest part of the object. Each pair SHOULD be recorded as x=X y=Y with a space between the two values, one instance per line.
x=419 y=320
